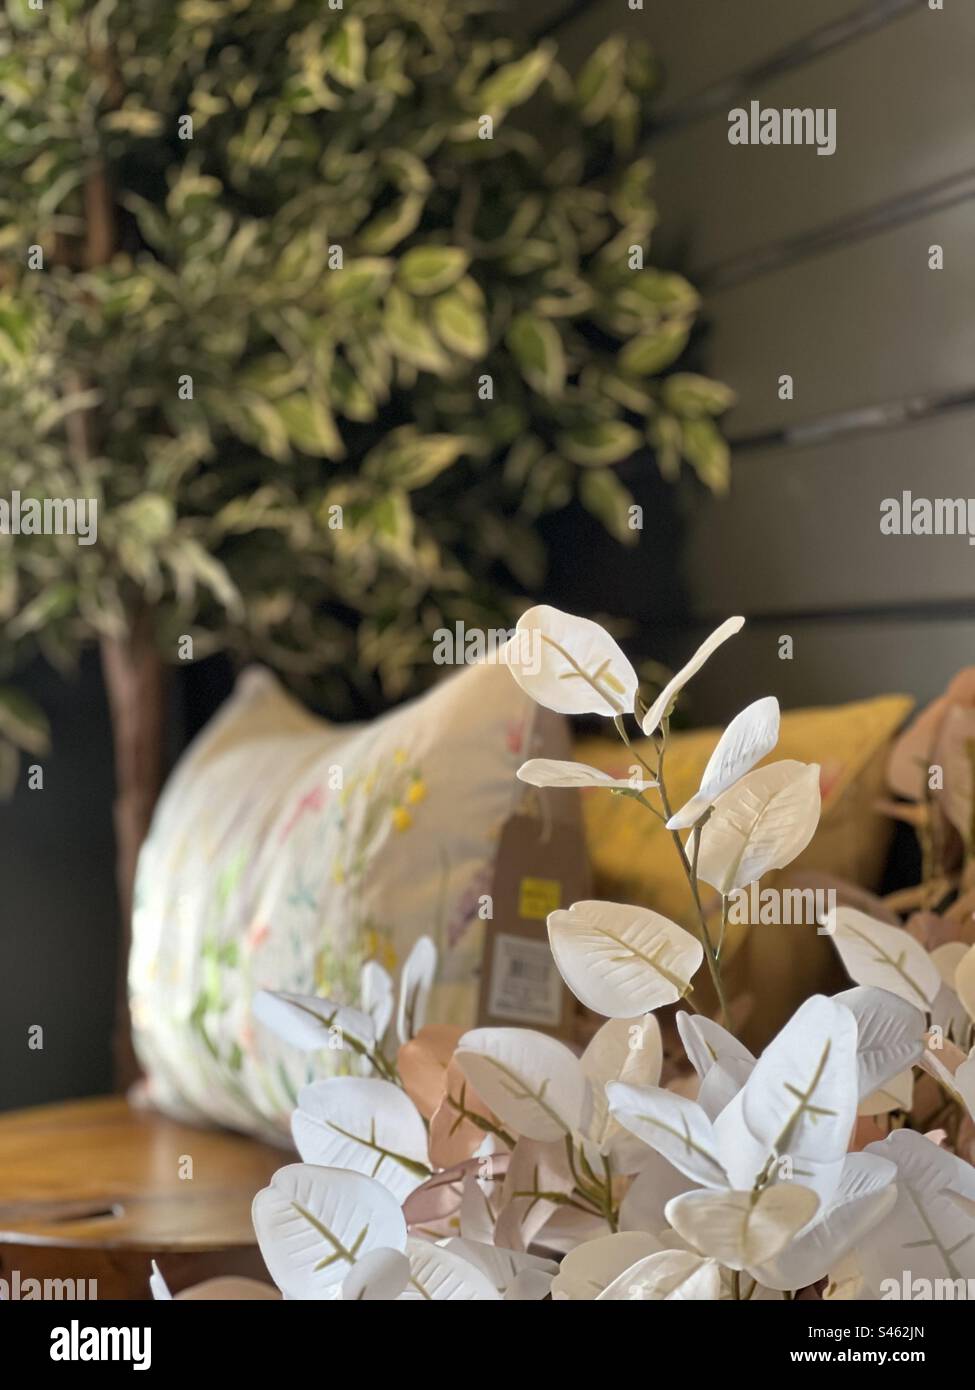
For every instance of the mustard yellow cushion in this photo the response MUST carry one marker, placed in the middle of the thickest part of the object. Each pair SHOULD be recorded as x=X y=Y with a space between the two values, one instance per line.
x=634 y=859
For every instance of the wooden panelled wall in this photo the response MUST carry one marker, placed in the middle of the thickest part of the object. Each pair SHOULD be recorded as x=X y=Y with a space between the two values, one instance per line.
x=818 y=266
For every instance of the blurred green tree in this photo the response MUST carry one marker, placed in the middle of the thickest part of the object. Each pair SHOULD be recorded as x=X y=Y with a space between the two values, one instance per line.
x=324 y=305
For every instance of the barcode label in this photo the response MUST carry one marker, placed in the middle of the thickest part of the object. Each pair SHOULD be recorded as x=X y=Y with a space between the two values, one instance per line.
x=525 y=983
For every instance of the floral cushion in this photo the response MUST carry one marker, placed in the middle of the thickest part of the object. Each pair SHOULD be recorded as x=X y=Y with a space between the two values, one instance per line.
x=285 y=852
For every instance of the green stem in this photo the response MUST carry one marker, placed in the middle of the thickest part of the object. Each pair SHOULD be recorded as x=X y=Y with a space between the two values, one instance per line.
x=478 y=1121
x=590 y=1194
x=690 y=872
x=560 y=1199
x=724 y=926
x=608 y=1210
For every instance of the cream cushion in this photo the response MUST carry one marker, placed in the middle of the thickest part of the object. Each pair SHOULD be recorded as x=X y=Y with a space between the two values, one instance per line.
x=286 y=851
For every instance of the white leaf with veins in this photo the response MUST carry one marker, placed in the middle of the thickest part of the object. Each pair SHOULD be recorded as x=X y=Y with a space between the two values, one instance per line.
x=588 y=1269
x=761 y=823
x=660 y=708
x=553 y=772
x=890 y=1035
x=673 y=1126
x=749 y=737
x=925 y=1232
x=886 y=957
x=532 y=1082
x=798 y=1103
x=742 y=1228
x=670 y=1275
x=623 y=1049
x=622 y=961
x=865 y=1194
x=364 y=1124
x=570 y=664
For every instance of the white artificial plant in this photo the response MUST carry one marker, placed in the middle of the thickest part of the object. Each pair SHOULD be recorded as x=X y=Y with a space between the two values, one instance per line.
x=498 y=1164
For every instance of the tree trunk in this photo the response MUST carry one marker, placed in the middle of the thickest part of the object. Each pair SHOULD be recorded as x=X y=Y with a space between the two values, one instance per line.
x=135 y=683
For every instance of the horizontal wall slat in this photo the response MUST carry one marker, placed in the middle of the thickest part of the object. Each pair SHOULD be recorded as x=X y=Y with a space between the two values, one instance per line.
x=800 y=531
x=858 y=326
x=905 y=112
x=833 y=661
x=701 y=41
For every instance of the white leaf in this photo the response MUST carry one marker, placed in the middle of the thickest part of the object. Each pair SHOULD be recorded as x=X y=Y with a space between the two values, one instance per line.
x=502 y=1267
x=629 y=1050
x=759 y=824
x=956 y=1072
x=890 y=1035
x=950 y=1015
x=567 y=1228
x=660 y=708
x=800 y=1102
x=590 y=1268
x=925 y=1232
x=478 y=1213
x=376 y=996
x=310 y=1023
x=742 y=1228
x=865 y=1195
x=947 y=957
x=722 y=1083
x=364 y=1124
x=845 y=1284
x=440 y=1276
x=895 y=1094
x=749 y=737
x=379 y=1276
x=157 y=1284
x=528 y=1286
x=942 y=1068
x=532 y=1168
x=642 y=1208
x=965 y=981
x=416 y=981
x=570 y=665
x=706 y=1042
x=625 y=1049
x=313 y=1224
x=532 y=1082
x=671 y=1125
x=887 y=957
x=967 y=1204
x=622 y=961
x=676 y=1275
x=551 y=772
x=965 y=1083
x=720 y=1060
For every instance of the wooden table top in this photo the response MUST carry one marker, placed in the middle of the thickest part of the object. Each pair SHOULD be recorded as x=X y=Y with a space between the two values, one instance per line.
x=99 y=1174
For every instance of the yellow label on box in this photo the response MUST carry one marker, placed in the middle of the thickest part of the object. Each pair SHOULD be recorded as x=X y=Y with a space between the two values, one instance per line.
x=537 y=897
